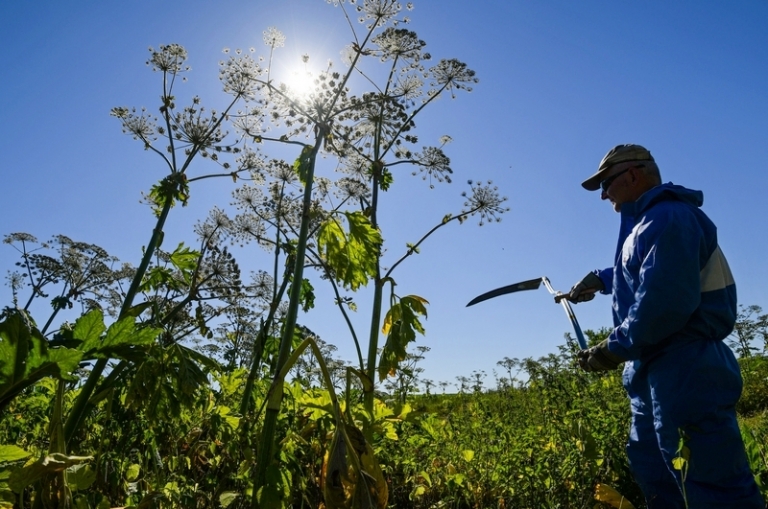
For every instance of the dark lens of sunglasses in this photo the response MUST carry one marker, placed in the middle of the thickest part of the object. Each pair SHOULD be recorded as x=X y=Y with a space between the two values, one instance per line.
x=605 y=184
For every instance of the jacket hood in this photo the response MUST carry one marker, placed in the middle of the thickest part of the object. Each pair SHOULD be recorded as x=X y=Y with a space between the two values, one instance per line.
x=663 y=192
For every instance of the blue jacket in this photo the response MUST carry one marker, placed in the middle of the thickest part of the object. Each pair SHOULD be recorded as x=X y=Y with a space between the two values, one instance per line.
x=670 y=282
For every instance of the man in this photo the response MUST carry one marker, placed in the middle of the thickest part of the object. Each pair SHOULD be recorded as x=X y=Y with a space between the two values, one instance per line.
x=674 y=301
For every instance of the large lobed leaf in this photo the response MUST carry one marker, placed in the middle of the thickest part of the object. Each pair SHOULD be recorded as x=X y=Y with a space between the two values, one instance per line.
x=350 y=255
x=26 y=358
x=11 y=453
x=400 y=325
x=122 y=338
x=47 y=465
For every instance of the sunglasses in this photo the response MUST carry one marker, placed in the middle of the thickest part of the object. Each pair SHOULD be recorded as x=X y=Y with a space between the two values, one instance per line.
x=605 y=184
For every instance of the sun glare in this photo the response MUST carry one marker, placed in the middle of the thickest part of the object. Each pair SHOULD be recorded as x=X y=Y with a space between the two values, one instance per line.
x=300 y=84
x=299 y=80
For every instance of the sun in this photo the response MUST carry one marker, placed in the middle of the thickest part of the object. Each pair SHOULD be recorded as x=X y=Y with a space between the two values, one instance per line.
x=299 y=81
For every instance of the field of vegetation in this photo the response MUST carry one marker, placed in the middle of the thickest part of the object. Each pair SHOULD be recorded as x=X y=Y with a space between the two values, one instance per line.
x=548 y=435
x=180 y=382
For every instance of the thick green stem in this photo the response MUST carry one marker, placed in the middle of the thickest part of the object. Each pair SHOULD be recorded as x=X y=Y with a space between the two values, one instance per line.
x=78 y=411
x=258 y=349
x=373 y=337
x=373 y=344
x=245 y=403
x=276 y=391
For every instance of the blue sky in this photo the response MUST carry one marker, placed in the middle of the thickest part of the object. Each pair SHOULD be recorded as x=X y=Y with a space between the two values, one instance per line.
x=560 y=84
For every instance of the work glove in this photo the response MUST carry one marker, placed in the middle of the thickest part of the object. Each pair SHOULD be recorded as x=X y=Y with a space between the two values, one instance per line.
x=599 y=358
x=586 y=289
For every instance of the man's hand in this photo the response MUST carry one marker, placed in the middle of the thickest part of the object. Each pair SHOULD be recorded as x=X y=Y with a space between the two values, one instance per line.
x=586 y=289
x=599 y=358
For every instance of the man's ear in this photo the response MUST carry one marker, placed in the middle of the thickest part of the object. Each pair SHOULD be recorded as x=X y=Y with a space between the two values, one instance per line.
x=634 y=175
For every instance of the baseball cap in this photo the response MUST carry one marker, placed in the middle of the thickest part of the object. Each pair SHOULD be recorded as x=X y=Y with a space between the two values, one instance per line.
x=618 y=154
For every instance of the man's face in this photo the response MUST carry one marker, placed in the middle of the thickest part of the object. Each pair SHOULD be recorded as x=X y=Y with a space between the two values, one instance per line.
x=618 y=186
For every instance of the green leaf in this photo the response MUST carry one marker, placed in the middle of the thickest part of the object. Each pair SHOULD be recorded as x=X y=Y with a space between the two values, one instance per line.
x=226 y=414
x=230 y=383
x=306 y=295
x=122 y=339
x=9 y=453
x=417 y=492
x=302 y=163
x=171 y=189
x=50 y=464
x=88 y=329
x=138 y=309
x=184 y=258
x=351 y=255
x=25 y=357
x=458 y=479
x=132 y=472
x=226 y=498
x=468 y=454
x=123 y=336
x=167 y=380
x=162 y=278
x=401 y=324
x=80 y=477
x=386 y=179
x=275 y=493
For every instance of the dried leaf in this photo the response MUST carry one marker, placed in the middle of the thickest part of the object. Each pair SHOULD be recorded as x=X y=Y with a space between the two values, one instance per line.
x=344 y=486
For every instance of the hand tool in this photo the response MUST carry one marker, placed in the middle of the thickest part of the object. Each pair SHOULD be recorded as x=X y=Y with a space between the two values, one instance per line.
x=533 y=284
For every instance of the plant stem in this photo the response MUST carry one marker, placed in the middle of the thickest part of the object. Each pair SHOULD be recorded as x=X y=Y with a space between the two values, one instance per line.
x=258 y=349
x=276 y=391
x=78 y=411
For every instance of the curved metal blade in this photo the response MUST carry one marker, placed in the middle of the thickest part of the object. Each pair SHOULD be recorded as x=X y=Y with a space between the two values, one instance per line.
x=531 y=284
x=569 y=312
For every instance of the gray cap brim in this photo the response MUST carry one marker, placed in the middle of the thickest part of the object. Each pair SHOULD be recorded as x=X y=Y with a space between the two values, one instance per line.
x=618 y=154
x=593 y=182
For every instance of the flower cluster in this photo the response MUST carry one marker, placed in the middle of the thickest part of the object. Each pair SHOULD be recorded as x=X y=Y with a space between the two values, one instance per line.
x=138 y=124
x=168 y=58
x=251 y=162
x=261 y=285
x=484 y=199
x=409 y=87
x=214 y=227
x=351 y=188
x=274 y=38
x=357 y=166
x=433 y=163
x=197 y=128
x=399 y=43
x=20 y=237
x=453 y=74
x=240 y=76
x=380 y=11
x=250 y=122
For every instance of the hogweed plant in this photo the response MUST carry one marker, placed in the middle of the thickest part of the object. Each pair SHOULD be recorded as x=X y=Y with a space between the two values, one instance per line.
x=84 y=272
x=360 y=116
x=177 y=137
x=333 y=226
